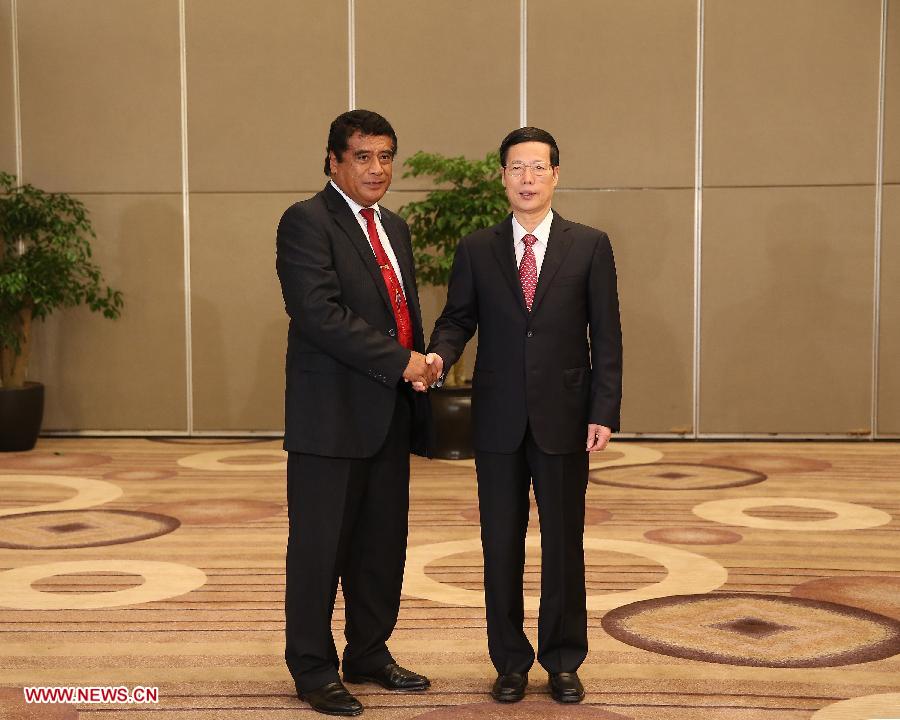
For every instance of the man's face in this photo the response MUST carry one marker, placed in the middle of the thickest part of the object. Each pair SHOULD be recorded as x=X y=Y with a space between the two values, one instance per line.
x=364 y=172
x=528 y=193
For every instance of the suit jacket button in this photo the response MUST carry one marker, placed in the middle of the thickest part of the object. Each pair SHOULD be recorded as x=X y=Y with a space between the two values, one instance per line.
x=529 y=333
x=392 y=332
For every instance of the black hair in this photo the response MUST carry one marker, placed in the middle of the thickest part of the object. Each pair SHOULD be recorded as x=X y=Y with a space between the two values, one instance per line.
x=348 y=123
x=529 y=134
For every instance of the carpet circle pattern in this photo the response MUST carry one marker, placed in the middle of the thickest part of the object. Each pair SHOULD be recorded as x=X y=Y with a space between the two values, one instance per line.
x=82 y=528
x=867 y=707
x=140 y=475
x=693 y=536
x=51 y=461
x=847 y=516
x=235 y=460
x=879 y=593
x=686 y=572
x=88 y=493
x=162 y=580
x=770 y=464
x=758 y=630
x=675 y=476
x=219 y=512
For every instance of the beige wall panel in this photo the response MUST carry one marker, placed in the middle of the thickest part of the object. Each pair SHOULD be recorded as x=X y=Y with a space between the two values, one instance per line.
x=615 y=82
x=101 y=97
x=791 y=91
x=238 y=320
x=787 y=297
x=892 y=96
x=446 y=75
x=7 y=99
x=652 y=236
x=889 y=321
x=127 y=374
x=265 y=80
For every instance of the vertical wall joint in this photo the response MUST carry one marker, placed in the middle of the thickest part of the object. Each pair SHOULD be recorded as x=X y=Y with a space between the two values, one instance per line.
x=879 y=195
x=698 y=217
x=523 y=63
x=351 y=53
x=17 y=103
x=186 y=221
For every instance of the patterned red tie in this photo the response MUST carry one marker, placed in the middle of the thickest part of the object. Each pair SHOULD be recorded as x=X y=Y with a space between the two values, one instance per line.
x=395 y=293
x=528 y=271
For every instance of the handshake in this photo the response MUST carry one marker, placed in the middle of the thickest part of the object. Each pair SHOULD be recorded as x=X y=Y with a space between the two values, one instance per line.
x=423 y=371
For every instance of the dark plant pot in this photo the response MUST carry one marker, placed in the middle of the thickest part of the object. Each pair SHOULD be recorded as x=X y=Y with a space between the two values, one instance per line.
x=21 y=412
x=452 y=412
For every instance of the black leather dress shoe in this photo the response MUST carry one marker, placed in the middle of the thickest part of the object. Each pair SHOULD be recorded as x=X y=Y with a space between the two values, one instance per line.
x=392 y=677
x=510 y=687
x=332 y=699
x=565 y=687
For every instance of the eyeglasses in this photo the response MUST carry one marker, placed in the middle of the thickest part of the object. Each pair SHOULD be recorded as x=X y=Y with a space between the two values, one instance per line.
x=537 y=169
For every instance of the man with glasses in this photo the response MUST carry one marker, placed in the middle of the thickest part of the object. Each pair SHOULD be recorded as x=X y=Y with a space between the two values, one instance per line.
x=541 y=291
x=354 y=346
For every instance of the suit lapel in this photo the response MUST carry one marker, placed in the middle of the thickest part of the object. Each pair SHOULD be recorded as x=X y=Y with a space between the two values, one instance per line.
x=558 y=245
x=343 y=216
x=505 y=255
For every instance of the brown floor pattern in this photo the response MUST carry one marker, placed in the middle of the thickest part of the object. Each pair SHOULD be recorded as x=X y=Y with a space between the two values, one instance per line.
x=726 y=581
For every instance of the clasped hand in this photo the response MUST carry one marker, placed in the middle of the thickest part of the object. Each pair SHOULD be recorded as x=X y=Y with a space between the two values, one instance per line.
x=423 y=370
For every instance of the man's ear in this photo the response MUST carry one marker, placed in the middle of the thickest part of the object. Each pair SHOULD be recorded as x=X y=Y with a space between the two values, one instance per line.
x=332 y=161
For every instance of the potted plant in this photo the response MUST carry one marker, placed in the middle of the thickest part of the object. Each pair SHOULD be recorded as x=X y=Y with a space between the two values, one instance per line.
x=45 y=264
x=469 y=196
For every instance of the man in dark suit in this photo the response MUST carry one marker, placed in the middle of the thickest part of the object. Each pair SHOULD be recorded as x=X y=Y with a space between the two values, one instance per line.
x=354 y=346
x=542 y=292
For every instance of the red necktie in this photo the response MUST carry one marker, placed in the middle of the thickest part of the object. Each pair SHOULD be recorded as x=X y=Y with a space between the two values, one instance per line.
x=395 y=293
x=528 y=271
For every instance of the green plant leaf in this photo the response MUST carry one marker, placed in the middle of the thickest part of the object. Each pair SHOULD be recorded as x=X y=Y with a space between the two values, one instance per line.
x=45 y=258
x=468 y=196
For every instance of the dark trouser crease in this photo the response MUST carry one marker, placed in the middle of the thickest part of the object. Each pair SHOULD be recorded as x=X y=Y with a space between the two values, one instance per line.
x=348 y=522
x=560 y=483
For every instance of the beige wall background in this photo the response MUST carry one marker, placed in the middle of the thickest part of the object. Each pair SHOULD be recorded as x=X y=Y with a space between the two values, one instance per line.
x=743 y=155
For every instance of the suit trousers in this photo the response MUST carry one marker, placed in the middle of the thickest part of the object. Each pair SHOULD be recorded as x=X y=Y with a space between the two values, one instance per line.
x=348 y=522
x=560 y=484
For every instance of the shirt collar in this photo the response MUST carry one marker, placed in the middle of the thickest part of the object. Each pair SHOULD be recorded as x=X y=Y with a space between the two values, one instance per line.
x=541 y=232
x=355 y=206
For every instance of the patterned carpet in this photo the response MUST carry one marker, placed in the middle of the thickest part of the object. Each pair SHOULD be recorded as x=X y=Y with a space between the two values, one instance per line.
x=726 y=581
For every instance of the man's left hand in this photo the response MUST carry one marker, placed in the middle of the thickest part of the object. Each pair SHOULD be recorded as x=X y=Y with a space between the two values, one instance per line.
x=435 y=369
x=597 y=437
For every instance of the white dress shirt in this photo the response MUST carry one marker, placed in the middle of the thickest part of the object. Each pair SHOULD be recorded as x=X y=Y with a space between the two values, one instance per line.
x=541 y=232
x=355 y=207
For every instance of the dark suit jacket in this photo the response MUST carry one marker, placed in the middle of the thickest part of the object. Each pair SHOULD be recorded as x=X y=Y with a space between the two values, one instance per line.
x=556 y=368
x=344 y=363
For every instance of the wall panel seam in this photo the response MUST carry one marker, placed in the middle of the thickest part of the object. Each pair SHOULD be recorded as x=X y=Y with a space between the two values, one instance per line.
x=186 y=220
x=879 y=199
x=523 y=63
x=17 y=102
x=351 y=53
x=698 y=217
